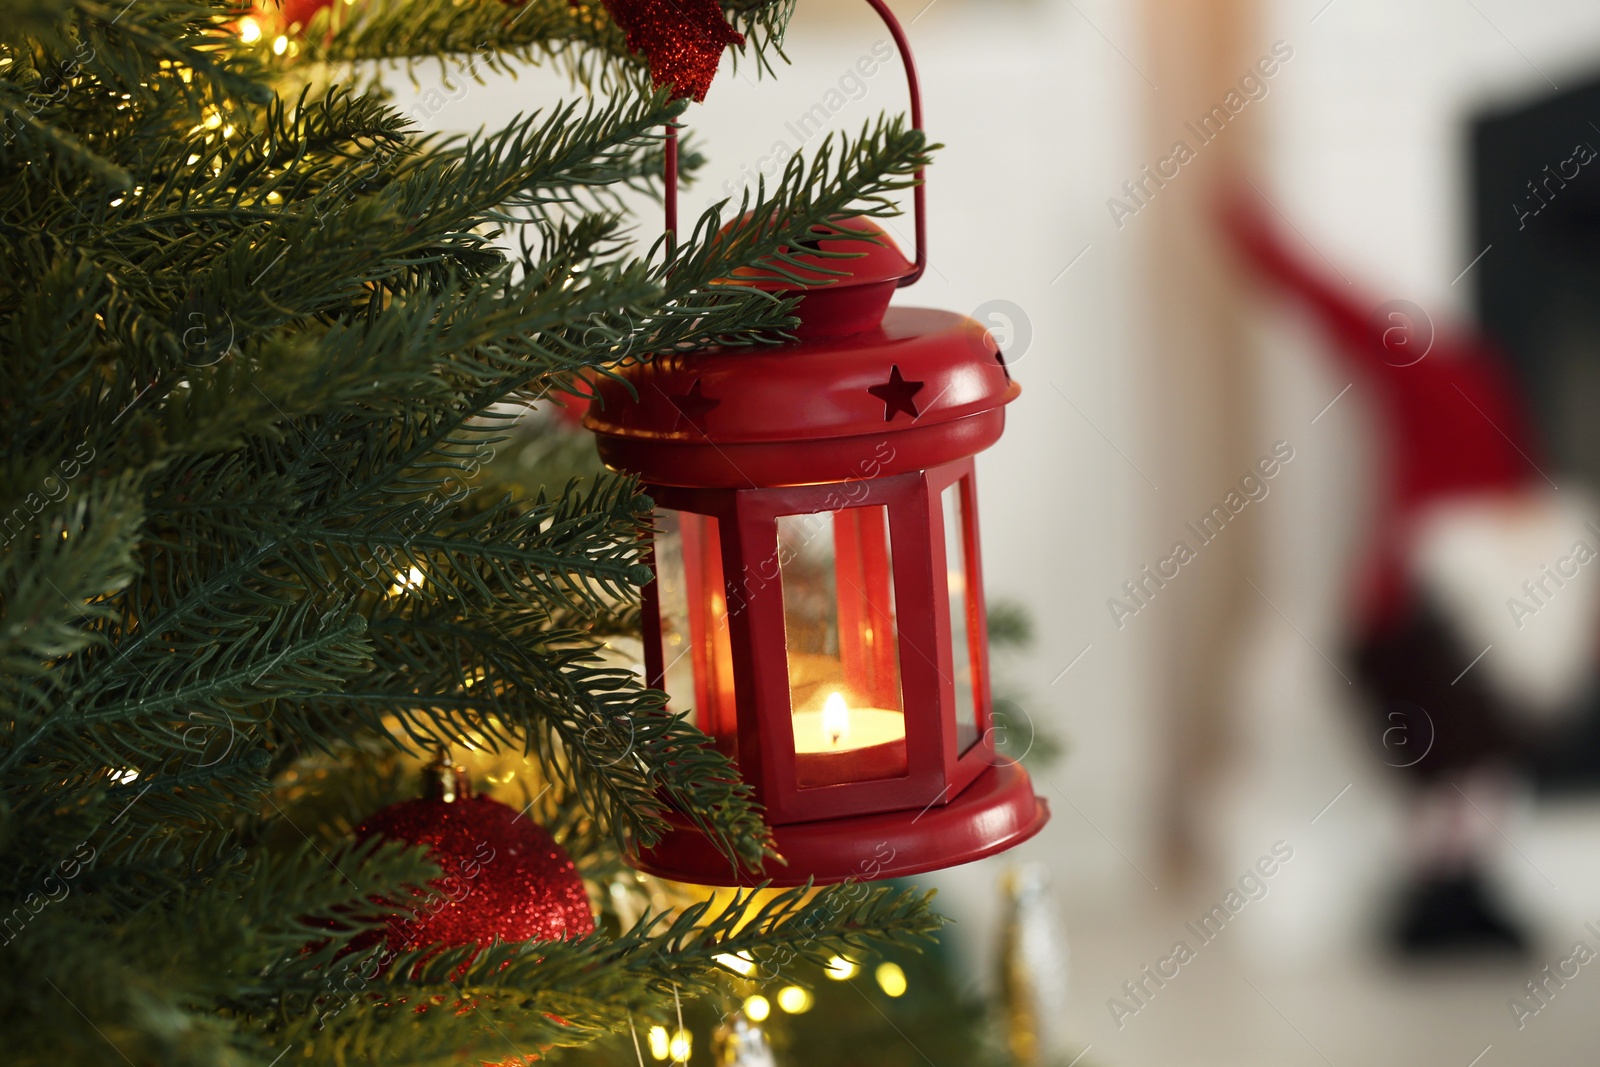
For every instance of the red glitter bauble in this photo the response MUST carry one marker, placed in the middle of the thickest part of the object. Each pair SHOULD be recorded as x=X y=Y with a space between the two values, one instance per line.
x=681 y=40
x=505 y=878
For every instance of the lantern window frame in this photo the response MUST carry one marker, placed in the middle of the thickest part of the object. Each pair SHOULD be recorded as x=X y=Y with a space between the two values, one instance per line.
x=747 y=531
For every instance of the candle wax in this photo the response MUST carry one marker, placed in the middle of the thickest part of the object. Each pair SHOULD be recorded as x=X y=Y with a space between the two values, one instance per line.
x=867 y=727
x=839 y=744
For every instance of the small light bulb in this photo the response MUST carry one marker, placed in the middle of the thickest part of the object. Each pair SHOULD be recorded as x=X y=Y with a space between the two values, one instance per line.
x=757 y=1008
x=794 y=1000
x=249 y=30
x=891 y=979
x=682 y=1044
x=412 y=580
x=659 y=1042
x=280 y=45
x=740 y=963
x=841 y=969
x=213 y=120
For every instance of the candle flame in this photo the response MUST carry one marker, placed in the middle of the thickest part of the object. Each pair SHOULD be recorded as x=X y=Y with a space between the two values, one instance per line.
x=835 y=719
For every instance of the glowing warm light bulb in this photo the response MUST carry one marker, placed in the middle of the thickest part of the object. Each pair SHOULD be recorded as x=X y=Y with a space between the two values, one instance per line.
x=794 y=1000
x=280 y=45
x=659 y=1042
x=757 y=1008
x=739 y=963
x=841 y=969
x=249 y=30
x=680 y=1046
x=835 y=720
x=891 y=979
x=412 y=580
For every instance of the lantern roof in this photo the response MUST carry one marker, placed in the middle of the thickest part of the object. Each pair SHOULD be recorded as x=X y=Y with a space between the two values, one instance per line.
x=845 y=272
x=844 y=252
x=933 y=383
x=815 y=409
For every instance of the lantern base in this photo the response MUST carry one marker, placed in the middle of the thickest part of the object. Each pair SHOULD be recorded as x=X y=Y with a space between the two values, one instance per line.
x=998 y=810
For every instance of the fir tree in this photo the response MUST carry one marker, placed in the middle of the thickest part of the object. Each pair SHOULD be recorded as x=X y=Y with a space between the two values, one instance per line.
x=259 y=339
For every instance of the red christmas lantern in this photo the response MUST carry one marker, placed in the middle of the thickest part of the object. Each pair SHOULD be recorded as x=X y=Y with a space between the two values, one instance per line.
x=818 y=599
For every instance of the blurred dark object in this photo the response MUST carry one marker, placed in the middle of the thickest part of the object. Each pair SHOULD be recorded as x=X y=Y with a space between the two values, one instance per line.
x=1536 y=205
x=1416 y=666
x=1454 y=914
x=1536 y=200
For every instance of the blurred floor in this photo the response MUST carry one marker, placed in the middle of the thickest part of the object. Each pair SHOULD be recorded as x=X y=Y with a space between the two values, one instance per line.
x=1343 y=1009
x=1272 y=989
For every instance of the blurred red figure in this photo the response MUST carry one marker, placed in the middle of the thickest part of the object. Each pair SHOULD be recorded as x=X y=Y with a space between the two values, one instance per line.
x=1464 y=517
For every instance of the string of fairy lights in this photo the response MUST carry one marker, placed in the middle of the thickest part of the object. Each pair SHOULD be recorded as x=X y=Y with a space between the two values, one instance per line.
x=677 y=1045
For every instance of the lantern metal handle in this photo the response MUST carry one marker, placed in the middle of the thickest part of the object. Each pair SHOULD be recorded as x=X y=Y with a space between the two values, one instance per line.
x=919 y=221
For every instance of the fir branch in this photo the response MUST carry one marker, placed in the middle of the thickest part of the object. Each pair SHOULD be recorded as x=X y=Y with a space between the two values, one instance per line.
x=846 y=177
x=590 y=48
x=515 y=999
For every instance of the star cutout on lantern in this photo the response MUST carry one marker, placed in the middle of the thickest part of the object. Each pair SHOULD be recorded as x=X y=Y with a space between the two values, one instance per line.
x=896 y=394
x=694 y=405
x=812 y=242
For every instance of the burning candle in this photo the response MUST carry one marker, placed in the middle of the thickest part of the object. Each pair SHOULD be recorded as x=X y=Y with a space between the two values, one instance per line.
x=838 y=743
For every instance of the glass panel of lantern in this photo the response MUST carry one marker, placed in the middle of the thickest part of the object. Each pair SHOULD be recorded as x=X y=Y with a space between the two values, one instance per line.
x=691 y=657
x=967 y=660
x=843 y=656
